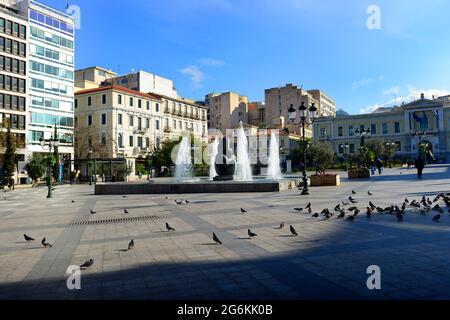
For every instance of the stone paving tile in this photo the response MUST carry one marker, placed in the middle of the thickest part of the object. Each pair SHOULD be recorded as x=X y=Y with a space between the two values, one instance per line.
x=328 y=259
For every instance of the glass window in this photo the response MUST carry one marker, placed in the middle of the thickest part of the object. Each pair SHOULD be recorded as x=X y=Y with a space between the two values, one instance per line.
x=104 y=99
x=131 y=141
x=397 y=127
x=119 y=119
x=340 y=131
x=373 y=128
x=351 y=133
x=89 y=120
x=385 y=128
x=103 y=118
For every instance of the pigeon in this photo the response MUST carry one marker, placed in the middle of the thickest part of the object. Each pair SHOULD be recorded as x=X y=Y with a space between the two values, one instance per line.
x=406 y=200
x=294 y=233
x=352 y=200
x=28 y=238
x=169 y=228
x=45 y=243
x=337 y=208
x=380 y=210
x=298 y=209
x=167 y=198
x=341 y=215
x=356 y=212
x=93 y=212
x=438 y=209
x=327 y=217
x=178 y=202
x=353 y=192
x=216 y=239
x=437 y=218
x=243 y=211
x=369 y=213
x=281 y=225
x=325 y=211
x=187 y=201
x=309 y=210
x=87 y=264
x=251 y=234
x=73 y=201
x=372 y=206
x=345 y=203
x=369 y=193
x=352 y=209
x=315 y=215
x=131 y=244
x=308 y=206
x=125 y=211
x=351 y=218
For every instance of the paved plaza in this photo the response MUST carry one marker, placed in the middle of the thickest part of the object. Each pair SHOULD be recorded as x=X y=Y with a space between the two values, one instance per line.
x=328 y=260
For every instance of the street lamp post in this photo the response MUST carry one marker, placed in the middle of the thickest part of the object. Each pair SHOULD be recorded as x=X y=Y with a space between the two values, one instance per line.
x=389 y=145
x=52 y=143
x=90 y=166
x=303 y=121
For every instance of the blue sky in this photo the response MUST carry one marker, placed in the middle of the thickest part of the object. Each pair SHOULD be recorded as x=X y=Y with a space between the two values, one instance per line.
x=249 y=45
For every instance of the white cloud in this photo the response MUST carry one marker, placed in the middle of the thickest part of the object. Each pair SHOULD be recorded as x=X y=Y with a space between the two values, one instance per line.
x=212 y=62
x=365 y=82
x=195 y=74
x=391 y=91
x=413 y=94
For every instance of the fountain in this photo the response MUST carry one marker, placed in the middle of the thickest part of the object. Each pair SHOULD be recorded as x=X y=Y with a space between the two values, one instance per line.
x=274 y=170
x=243 y=168
x=213 y=152
x=183 y=162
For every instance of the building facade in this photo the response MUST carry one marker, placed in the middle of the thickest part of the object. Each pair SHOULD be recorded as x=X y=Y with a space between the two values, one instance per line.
x=226 y=110
x=407 y=126
x=146 y=82
x=279 y=100
x=13 y=79
x=327 y=105
x=50 y=79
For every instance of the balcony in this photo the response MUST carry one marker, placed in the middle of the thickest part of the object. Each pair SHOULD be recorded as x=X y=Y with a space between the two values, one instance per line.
x=141 y=131
x=167 y=129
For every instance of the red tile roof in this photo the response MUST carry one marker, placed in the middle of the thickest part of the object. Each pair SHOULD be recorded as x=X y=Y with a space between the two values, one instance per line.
x=120 y=89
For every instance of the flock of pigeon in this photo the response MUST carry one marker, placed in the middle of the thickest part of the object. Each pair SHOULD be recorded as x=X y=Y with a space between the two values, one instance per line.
x=422 y=207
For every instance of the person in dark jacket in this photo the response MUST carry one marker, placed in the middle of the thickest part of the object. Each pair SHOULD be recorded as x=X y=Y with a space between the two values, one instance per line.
x=379 y=165
x=420 y=165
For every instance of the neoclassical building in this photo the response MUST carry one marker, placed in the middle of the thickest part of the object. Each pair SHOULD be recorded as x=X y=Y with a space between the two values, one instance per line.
x=406 y=126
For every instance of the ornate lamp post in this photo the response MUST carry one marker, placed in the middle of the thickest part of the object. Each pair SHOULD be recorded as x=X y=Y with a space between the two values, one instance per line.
x=303 y=121
x=345 y=147
x=51 y=143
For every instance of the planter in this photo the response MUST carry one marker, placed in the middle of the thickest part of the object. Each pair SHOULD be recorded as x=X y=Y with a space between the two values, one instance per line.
x=359 y=174
x=325 y=180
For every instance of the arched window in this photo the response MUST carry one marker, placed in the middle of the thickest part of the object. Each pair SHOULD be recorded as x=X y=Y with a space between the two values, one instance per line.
x=120 y=140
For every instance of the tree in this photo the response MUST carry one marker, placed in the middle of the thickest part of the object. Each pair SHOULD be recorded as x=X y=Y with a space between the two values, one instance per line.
x=36 y=167
x=87 y=137
x=322 y=154
x=377 y=147
x=9 y=158
x=163 y=155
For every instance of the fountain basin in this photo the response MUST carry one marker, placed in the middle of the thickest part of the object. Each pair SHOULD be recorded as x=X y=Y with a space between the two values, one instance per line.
x=202 y=186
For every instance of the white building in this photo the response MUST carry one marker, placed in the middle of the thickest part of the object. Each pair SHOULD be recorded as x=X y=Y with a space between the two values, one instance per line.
x=148 y=83
x=51 y=78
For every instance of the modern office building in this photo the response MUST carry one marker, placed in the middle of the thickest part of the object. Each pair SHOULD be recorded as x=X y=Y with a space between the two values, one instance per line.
x=36 y=77
x=226 y=110
x=424 y=121
x=50 y=79
x=13 y=79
